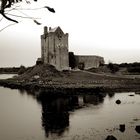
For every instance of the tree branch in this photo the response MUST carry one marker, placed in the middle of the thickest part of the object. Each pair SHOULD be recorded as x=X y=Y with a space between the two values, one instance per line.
x=29 y=8
x=22 y=16
x=7 y=26
x=8 y=4
x=1 y=19
x=3 y=14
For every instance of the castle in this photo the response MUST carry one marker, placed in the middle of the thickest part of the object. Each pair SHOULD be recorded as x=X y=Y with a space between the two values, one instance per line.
x=54 y=51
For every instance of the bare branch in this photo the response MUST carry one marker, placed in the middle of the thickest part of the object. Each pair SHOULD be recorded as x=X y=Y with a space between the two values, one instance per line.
x=3 y=14
x=1 y=19
x=28 y=2
x=22 y=16
x=29 y=8
x=38 y=23
x=7 y=26
x=14 y=8
x=34 y=19
x=50 y=9
x=9 y=3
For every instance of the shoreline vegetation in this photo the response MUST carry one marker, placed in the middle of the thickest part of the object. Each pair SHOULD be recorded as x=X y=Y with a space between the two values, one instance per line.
x=46 y=77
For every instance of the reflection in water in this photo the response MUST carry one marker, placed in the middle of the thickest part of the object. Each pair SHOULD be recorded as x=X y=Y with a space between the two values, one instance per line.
x=111 y=94
x=137 y=129
x=30 y=93
x=55 y=117
x=94 y=99
x=55 y=110
x=122 y=127
x=86 y=116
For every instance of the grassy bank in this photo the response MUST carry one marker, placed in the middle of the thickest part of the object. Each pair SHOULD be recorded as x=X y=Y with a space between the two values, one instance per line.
x=47 y=77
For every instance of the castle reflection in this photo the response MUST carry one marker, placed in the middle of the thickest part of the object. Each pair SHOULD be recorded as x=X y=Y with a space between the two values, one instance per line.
x=56 y=110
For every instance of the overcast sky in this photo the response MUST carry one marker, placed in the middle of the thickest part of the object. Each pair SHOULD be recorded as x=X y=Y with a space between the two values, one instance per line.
x=108 y=28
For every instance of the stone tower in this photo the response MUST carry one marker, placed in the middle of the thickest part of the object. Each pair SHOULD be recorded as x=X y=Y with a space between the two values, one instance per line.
x=54 y=48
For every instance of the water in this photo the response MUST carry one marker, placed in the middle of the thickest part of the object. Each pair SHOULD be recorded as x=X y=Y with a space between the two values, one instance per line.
x=6 y=76
x=25 y=116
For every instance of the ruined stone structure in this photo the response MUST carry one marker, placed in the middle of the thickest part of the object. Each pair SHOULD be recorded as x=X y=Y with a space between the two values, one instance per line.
x=88 y=61
x=54 y=48
x=54 y=51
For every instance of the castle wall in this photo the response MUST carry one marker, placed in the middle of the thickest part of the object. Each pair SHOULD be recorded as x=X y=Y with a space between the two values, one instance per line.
x=89 y=61
x=54 y=48
x=51 y=48
x=44 y=49
x=61 y=51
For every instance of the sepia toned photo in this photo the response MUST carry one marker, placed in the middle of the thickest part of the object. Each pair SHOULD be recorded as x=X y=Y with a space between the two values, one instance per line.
x=69 y=70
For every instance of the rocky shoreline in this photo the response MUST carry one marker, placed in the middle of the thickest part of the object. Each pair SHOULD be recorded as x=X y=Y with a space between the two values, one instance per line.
x=46 y=77
x=122 y=86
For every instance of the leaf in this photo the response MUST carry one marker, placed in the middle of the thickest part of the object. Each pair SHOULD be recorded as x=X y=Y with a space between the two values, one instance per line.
x=50 y=9
x=38 y=23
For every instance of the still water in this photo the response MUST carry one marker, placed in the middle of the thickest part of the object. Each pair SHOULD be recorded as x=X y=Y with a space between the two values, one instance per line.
x=6 y=76
x=26 y=115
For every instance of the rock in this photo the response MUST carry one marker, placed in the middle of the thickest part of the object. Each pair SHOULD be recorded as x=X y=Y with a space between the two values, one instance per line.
x=36 y=77
x=136 y=119
x=122 y=127
x=131 y=95
x=137 y=129
x=110 y=137
x=118 y=102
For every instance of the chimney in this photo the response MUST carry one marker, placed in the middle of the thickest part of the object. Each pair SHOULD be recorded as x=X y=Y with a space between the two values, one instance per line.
x=45 y=30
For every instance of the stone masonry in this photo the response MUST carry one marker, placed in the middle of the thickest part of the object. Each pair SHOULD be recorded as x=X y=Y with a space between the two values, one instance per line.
x=88 y=61
x=54 y=48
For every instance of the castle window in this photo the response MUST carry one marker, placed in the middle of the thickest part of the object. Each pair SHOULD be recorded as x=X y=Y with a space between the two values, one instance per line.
x=59 y=35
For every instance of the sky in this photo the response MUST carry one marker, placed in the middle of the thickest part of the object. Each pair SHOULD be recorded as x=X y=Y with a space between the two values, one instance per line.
x=107 y=28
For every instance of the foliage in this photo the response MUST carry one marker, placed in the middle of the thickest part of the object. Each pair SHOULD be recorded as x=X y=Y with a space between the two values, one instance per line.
x=22 y=70
x=81 y=66
x=131 y=67
x=113 y=67
x=135 y=64
x=134 y=69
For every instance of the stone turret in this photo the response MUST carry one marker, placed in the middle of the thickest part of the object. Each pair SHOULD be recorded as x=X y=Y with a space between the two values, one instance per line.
x=45 y=30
